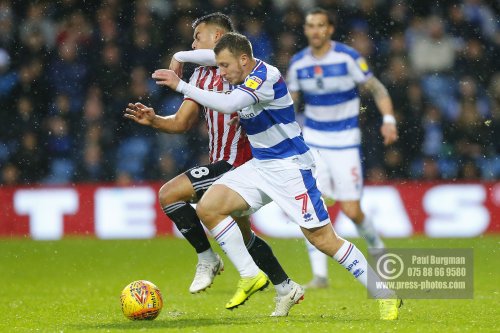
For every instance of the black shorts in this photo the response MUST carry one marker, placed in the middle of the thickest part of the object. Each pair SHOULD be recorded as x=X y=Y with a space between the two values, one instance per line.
x=203 y=176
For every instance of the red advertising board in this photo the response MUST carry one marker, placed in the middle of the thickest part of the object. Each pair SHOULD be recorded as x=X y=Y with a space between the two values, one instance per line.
x=103 y=211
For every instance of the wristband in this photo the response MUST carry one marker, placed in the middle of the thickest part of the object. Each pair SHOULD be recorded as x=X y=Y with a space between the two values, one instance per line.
x=389 y=119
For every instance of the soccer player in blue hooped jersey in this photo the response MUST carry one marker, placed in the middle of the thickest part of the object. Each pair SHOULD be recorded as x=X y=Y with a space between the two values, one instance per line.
x=281 y=170
x=328 y=73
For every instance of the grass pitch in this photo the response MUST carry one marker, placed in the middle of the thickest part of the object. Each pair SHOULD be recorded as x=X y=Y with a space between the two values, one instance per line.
x=74 y=285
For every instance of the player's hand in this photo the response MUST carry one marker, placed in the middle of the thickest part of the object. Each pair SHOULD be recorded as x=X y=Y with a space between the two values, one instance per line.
x=389 y=133
x=140 y=113
x=235 y=121
x=166 y=77
x=176 y=66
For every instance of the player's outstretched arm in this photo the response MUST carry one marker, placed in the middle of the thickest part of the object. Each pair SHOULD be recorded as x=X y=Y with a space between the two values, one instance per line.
x=224 y=103
x=384 y=105
x=140 y=113
x=180 y=122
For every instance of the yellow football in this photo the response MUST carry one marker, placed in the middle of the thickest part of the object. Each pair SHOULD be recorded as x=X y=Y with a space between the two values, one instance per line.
x=141 y=300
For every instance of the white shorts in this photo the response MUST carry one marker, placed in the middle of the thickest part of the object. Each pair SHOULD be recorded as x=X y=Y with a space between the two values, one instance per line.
x=339 y=173
x=293 y=190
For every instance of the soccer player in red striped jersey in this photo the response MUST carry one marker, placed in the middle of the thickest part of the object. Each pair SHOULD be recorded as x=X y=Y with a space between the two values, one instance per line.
x=226 y=142
x=228 y=148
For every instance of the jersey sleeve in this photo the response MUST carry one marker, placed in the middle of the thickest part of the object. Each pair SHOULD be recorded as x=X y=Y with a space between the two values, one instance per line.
x=259 y=85
x=193 y=80
x=220 y=102
x=358 y=68
x=202 y=57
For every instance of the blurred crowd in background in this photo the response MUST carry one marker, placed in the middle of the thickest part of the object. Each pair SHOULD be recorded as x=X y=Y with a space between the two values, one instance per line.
x=68 y=69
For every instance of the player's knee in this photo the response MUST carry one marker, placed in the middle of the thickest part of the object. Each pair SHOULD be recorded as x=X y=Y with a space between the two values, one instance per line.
x=205 y=210
x=325 y=240
x=166 y=196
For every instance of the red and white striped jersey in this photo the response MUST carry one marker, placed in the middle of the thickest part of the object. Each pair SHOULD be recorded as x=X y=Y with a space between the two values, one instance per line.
x=226 y=142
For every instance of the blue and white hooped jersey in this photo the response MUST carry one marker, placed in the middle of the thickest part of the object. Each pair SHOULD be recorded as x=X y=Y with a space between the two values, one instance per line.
x=329 y=90
x=270 y=122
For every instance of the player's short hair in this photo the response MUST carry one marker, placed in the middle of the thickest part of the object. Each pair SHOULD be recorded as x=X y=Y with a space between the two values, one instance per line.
x=236 y=43
x=221 y=20
x=319 y=10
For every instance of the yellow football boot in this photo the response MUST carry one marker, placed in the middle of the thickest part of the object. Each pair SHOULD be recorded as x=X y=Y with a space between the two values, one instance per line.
x=246 y=288
x=389 y=308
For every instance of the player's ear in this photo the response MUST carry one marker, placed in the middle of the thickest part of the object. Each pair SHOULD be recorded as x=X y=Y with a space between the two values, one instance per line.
x=218 y=34
x=243 y=59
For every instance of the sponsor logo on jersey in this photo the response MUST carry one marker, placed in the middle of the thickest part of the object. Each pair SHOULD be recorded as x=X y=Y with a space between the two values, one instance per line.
x=253 y=82
x=246 y=115
x=318 y=75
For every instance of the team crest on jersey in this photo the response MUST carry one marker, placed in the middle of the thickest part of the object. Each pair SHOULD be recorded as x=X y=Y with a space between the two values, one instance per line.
x=362 y=64
x=253 y=82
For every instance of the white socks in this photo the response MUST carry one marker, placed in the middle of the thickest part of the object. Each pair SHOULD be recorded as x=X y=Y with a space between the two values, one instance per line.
x=207 y=255
x=355 y=262
x=229 y=237
x=284 y=288
x=319 y=261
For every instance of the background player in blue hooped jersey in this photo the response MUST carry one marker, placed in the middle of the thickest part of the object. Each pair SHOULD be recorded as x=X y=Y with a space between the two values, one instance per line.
x=327 y=75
